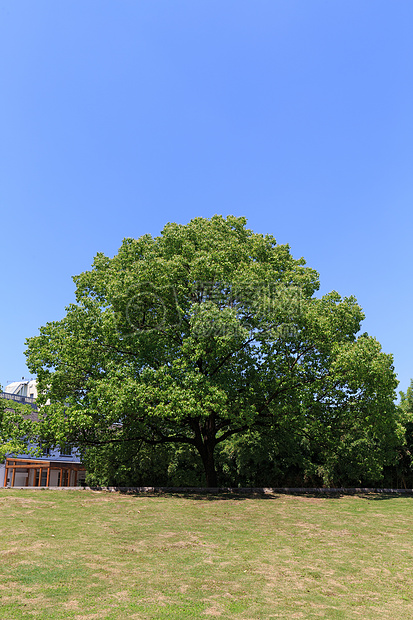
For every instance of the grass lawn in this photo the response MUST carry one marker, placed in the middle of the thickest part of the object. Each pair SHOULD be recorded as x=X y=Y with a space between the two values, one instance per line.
x=96 y=555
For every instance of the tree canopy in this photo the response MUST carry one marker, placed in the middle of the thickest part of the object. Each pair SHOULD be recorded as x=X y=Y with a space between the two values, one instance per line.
x=202 y=334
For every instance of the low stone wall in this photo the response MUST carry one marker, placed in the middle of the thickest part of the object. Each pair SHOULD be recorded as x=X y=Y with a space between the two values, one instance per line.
x=224 y=490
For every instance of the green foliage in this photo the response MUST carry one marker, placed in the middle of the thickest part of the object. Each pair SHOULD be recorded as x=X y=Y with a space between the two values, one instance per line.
x=18 y=430
x=206 y=333
x=406 y=402
x=401 y=474
x=138 y=464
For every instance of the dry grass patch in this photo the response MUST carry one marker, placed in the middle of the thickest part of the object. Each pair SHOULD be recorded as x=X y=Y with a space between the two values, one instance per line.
x=81 y=554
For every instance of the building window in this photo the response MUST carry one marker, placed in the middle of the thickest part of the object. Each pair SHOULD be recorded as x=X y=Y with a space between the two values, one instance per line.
x=65 y=475
x=43 y=480
x=66 y=450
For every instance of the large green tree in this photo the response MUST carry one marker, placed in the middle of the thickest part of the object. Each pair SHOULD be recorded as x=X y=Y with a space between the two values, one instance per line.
x=202 y=334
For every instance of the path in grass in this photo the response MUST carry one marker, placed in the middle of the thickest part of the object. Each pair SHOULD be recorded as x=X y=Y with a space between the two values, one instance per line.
x=87 y=555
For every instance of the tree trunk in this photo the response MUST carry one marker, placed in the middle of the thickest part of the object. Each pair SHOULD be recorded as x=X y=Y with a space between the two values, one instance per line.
x=205 y=442
x=206 y=450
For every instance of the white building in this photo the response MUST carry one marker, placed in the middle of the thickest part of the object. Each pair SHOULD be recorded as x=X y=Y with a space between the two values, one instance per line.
x=26 y=388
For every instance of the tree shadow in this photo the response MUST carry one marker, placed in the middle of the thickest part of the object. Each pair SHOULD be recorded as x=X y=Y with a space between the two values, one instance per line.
x=225 y=494
x=200 y=494
x=379 y=496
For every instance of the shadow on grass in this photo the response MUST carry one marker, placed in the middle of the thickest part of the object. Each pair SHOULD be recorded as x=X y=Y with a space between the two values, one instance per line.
x=222 y=495
x=205 y=496
x=382 y=496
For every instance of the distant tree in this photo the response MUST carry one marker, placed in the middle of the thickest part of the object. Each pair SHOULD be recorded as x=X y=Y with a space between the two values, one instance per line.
x=406 y=400
x=203 y=334
x=402 y=472
x=18 y=429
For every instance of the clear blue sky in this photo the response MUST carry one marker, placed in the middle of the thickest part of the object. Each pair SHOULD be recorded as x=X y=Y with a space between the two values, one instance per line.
x=119 y=116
